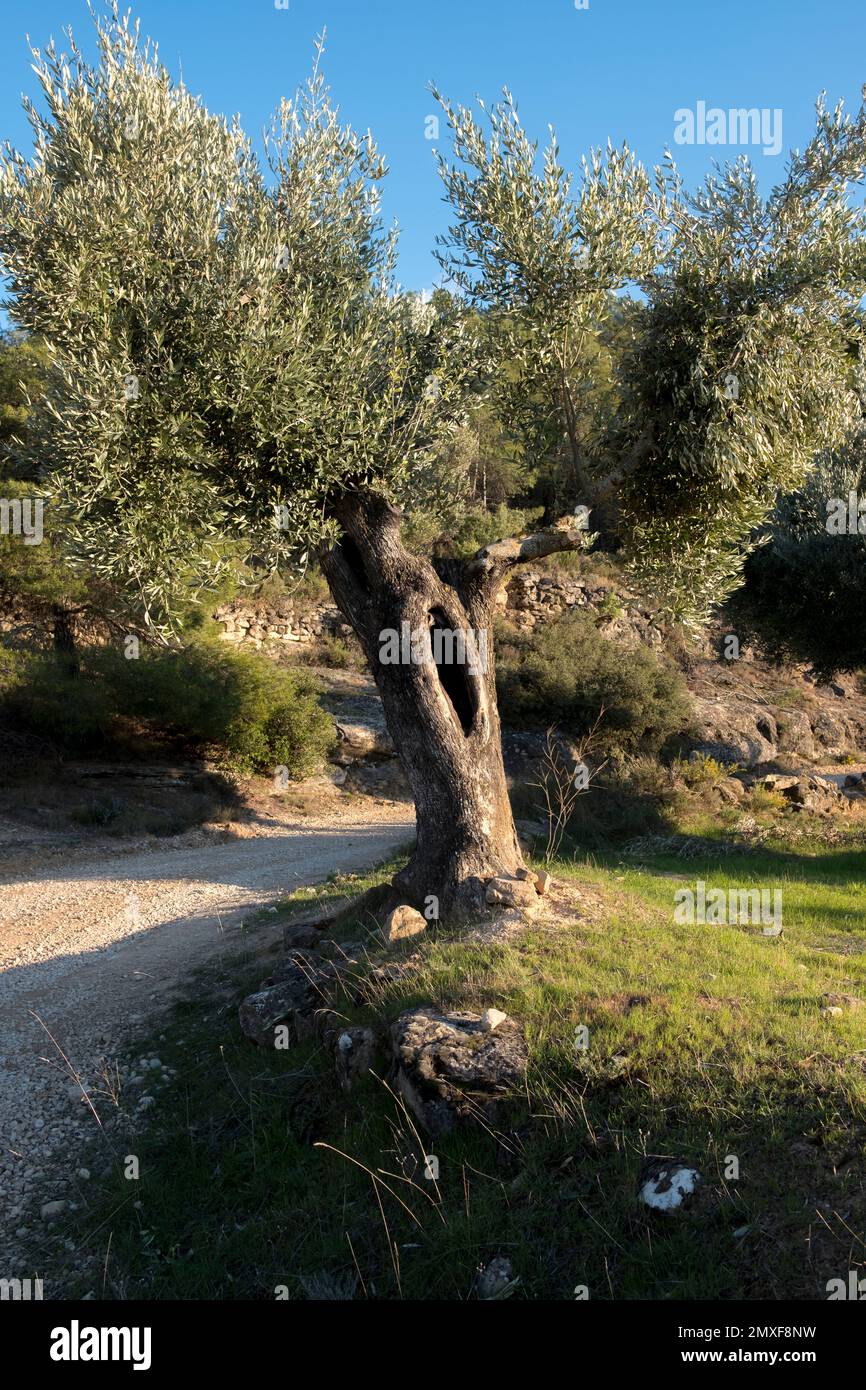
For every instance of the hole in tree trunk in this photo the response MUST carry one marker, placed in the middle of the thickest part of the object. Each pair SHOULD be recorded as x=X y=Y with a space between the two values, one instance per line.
x=352 y=555
x=450 y=655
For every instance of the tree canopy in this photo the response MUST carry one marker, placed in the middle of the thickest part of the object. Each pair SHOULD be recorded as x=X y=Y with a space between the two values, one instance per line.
x=229 y=352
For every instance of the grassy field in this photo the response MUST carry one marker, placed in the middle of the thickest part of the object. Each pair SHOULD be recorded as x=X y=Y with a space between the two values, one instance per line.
x=260 y=1179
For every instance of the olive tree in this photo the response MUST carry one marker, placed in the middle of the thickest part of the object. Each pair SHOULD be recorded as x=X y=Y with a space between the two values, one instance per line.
x=233 y=363
x=804 y=598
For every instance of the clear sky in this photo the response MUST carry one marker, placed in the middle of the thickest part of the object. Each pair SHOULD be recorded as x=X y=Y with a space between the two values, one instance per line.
x=618 y=69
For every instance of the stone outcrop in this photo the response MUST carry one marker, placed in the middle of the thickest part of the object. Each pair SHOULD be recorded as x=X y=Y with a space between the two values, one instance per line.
x=297 y=995
x=453 y=1068
x=737 y=729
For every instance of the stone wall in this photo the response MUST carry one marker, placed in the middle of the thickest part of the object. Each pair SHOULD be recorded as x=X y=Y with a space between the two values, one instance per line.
x=534 y=598
x=530 y=598
x=280 y=622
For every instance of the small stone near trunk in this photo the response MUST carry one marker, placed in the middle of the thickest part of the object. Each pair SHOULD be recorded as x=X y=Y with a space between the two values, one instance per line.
x=403 y=922
x=511 y=892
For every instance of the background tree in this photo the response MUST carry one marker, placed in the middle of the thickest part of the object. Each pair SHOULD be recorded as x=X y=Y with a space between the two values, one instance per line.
x=230 y=361
x=804 y=598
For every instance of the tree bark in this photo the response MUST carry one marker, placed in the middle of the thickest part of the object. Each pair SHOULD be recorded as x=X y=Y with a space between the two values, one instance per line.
x=442 y=714
x=63 y=639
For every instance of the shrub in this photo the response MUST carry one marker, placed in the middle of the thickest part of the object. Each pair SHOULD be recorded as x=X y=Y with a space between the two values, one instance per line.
x=259 y=714
x=255 y=715
x=39 y=698
x=567 y=672
x=700 y=770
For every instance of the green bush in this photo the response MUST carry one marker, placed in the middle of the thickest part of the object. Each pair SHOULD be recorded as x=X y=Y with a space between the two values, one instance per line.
x=567 y=672
x=254 y=715
x=39 y=698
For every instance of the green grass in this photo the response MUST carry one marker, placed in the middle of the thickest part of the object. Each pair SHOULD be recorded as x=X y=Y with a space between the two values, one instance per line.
x=705 y=1042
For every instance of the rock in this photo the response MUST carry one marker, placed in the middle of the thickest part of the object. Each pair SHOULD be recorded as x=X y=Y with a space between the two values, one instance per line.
x=496 y=1279
x=832 y=1011
x=795 y=733
x=777 y=782
x=542 y=882
x=511 y=892
x=730 y=790
x=403 y=922
x=811 y=793
x=491 y=1018
x=832 y=733
x=298 y=989
x=452 y=1069
x=665 y=1184
x=301 y=938
x=363 y=736
x=734 y=732
x=315 y=917
x=354 y=1051
x=84 y=1174
x=51 y=1210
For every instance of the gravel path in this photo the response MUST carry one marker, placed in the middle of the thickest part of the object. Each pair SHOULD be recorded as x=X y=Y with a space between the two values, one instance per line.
x=93 y=948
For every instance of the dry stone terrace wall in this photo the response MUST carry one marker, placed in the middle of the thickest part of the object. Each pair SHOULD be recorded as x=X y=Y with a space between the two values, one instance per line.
x=530 y=599
x=281 y=622
x=533 y=598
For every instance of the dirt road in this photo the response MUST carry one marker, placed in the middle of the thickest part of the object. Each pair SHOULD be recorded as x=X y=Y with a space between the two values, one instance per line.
x=94 y=947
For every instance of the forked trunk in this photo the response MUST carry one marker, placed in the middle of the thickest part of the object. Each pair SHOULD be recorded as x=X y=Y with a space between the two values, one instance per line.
x=427 y=635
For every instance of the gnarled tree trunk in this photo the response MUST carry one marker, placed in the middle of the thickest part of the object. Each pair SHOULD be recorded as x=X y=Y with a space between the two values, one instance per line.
x=442 y=714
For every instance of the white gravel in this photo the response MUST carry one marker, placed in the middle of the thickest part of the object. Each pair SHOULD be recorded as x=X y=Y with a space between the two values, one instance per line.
x=89 y=951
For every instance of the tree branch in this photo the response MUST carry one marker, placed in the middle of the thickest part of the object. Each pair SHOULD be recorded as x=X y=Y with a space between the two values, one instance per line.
x=495 y=559
x=490 y=564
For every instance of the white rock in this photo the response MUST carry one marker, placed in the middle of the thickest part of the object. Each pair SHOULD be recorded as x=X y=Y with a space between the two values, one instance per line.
x=491 y=1018
x=665 y=1191
x=49 y=1210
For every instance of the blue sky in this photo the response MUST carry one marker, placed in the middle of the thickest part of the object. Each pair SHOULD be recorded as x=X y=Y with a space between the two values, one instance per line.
x=619 y=69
